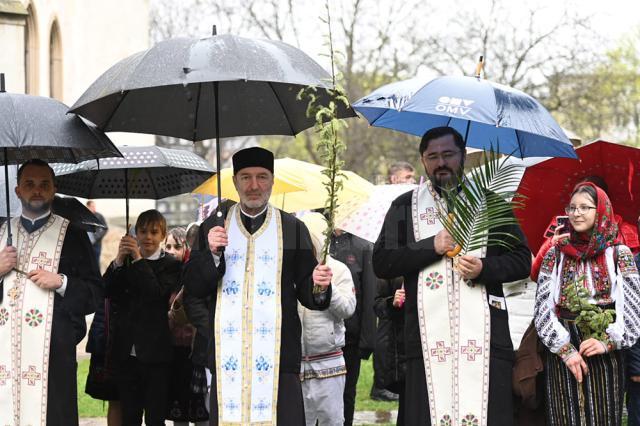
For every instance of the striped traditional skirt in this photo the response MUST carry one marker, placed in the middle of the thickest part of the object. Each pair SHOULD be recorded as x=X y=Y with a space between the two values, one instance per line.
x=597 y=401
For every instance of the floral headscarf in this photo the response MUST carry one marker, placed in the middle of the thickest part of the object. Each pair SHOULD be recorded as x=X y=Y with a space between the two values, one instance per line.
x=592 y=245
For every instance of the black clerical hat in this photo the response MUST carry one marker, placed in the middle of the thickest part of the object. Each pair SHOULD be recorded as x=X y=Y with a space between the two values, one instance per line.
x=252 y=157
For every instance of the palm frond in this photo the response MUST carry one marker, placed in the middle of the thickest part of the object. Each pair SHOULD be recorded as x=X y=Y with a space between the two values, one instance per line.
x=483 y=205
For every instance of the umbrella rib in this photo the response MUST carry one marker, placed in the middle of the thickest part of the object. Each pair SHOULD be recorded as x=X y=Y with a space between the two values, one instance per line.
x=195 y=123
x=113 y=112
x=519 y=144
x=293 y=133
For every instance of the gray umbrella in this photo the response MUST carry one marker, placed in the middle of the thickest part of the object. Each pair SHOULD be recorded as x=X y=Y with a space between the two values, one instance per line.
x=147 y=172
x=215 y=87
x=38 y=127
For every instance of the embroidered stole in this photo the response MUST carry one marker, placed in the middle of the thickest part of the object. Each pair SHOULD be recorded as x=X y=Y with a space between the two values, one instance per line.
x=248 y=320
x=455 y=326
x=26 y=316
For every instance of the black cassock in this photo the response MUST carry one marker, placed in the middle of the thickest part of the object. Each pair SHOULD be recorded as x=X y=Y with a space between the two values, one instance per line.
x=397 y=254
x=84 y=290
x=200 y=278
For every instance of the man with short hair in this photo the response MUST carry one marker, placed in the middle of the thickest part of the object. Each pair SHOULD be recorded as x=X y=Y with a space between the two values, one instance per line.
x=246 y=277
x=50 y=281
x=458 y=348
x=401 y=172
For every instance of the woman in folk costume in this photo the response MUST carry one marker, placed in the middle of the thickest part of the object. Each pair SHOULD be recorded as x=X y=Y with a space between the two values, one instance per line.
x=585 y=378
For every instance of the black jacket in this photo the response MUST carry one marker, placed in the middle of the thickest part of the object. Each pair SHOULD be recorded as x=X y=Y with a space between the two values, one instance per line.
x=200 y=280
x=356 y=253
x=396 y=253
x=394 y=367
x=139 y=295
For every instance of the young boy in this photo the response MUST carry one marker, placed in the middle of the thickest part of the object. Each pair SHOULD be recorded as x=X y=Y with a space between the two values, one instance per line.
x=139 y=282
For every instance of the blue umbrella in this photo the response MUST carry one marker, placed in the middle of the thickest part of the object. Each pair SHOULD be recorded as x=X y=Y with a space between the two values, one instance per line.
x=488 y=115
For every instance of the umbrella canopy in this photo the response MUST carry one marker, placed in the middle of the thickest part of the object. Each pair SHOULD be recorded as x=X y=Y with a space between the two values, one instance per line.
x=281 y=185
x=548 y=185
x=488 y=115
x=220 y=86
x=77 y=213
x=315 y=193
x=38 y=127
x=169 y=89
x=148 y=172
x=363 y=216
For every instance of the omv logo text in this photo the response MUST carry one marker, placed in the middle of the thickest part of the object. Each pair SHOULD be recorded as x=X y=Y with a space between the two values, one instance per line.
x=455 y=106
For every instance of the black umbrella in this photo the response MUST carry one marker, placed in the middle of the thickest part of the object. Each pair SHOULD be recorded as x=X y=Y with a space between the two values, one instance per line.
x=144 y=172
x=38 y=127
x=215 y=87
x=77 y=213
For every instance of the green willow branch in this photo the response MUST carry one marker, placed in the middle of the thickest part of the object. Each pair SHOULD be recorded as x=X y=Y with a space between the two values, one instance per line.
x=329 y=144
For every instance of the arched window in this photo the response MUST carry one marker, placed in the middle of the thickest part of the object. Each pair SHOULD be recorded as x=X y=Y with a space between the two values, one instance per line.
x=31 y=52
x=55 y=62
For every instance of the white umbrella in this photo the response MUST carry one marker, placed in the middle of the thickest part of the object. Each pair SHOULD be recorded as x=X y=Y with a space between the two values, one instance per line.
x=364 y=216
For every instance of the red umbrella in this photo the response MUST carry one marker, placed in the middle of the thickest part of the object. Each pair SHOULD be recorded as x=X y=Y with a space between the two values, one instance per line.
x=548 y=185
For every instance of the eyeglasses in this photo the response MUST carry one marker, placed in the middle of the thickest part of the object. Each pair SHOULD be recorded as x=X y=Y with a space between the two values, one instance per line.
x=578 y=209
x=446 y=156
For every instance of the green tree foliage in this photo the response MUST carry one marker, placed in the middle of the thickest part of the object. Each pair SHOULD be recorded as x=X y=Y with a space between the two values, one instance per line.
x=602 y=100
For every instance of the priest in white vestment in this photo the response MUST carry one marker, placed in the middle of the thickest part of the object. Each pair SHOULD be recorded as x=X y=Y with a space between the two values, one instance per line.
x=50 y=281
x=242 y=285
x=458 y=349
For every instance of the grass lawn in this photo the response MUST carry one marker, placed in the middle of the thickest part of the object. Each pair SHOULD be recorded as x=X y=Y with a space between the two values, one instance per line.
x=87 y=406
x=363 y=403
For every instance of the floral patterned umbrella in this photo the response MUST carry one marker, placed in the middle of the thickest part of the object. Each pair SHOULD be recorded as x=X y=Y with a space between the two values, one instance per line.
x=364 y=216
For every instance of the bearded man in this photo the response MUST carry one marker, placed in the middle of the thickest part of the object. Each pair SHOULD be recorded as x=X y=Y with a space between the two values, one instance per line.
x=50 y=281
x=458 y=349
x=242 y=285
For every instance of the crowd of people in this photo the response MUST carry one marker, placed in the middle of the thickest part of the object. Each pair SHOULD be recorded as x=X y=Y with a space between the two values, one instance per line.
x=240 y=319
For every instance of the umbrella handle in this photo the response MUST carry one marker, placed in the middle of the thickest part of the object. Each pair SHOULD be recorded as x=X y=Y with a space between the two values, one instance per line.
x=219 y=221
x=480 y=66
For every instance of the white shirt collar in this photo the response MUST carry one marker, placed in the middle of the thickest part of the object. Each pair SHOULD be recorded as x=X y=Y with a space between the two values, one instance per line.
x=256 y=215
x=156 y=255
x=33 y=221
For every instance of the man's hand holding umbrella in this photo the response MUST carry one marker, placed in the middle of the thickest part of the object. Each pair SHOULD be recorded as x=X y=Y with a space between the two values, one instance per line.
x=218 y=239
x=8 y=259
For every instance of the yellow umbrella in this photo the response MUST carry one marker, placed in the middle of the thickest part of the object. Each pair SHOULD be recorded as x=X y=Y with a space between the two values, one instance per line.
x=315 y=194
x=281 y=185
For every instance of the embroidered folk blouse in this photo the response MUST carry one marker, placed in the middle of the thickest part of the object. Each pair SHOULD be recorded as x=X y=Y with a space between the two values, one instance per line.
x=624 y=291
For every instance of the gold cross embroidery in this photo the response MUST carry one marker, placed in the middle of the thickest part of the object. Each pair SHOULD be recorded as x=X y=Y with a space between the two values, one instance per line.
x=14 y=294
